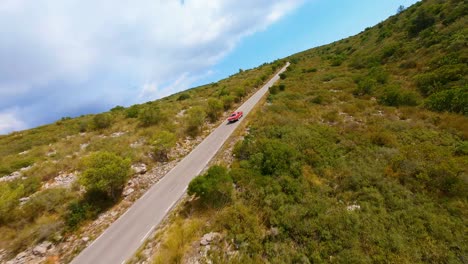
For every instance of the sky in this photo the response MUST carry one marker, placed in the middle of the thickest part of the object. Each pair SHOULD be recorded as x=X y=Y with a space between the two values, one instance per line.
x=74 y=57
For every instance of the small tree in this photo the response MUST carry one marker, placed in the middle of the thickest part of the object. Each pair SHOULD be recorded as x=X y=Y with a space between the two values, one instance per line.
x=162 y=144
x=214 y=109
x=194 y=120
x=227 y=101
x=101 y=121
x=105 y=172
x=151 y=116
x=400 y=9
x=213 y=188
x=132 y=111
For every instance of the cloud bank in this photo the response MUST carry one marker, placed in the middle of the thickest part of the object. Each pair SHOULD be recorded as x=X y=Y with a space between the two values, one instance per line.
x=61 y=58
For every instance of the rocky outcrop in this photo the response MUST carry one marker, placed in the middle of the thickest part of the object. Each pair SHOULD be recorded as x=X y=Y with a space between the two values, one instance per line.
x=64 y=180
x=139 y=168
x=209 y=237
x=41 y=249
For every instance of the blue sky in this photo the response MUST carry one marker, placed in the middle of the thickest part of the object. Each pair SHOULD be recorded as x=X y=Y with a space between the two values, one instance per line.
x=67 y=58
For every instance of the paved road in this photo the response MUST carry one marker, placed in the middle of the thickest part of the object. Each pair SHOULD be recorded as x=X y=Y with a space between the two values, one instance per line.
x=120 y=241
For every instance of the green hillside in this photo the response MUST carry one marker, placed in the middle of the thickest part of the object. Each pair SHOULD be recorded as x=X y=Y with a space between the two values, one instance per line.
x=359 y=155
x=33 y=209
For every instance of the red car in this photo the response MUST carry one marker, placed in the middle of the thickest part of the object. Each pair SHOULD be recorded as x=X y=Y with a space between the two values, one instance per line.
x=235 y=116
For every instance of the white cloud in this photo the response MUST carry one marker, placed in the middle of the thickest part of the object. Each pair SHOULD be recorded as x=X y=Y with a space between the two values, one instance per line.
x=10 y=122
x=78 y=50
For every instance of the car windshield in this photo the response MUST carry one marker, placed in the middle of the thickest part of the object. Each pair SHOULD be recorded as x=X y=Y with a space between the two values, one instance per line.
x=233 y=114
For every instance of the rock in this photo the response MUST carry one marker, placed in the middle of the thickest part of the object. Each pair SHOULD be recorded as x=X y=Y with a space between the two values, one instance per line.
x=128 y=191
x=13 y=176
x=62 y=180
x=139 y=168
x=274 y=231
x=51 y=153
x=24 y=152
x=26 y=168
x=85 y=239
x=41 y=250
x=208 y=238
x=353 y=207
x=84 y=146
x=24 y=200
x=118 y=134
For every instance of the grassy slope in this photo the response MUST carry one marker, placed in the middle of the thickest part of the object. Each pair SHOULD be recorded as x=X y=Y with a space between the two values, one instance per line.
x=353 y=127
x=58 y=147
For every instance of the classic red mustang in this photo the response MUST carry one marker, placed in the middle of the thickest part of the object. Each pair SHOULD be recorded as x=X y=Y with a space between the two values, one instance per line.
x=235 y=116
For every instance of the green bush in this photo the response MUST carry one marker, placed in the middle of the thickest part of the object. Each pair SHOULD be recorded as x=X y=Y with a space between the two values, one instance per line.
x=151 y=116
x=421 y=21
x=239 y=92
x=194 y=120
x=132 y=111
x=214 y=109
x=50 y=201
x=337 y=60
x=162 y=143
x=365 y=86
x=436 y=81
x=102 y=121
x=105 y=172
x=117 y=108
x=214 y=188
x=8 y=201
x=273 y=90
x=183 y=97
x=454 y=100
x=394 y=96
x=228 y=100
x=275 y=157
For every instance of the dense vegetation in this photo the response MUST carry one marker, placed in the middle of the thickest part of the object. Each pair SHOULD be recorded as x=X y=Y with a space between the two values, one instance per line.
x=361 y=157
x=99 y=150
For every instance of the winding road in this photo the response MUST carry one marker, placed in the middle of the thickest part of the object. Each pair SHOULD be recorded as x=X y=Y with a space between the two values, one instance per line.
x=123 y=237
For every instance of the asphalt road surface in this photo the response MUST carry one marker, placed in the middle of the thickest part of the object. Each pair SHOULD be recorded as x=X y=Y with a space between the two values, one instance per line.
x=123 y=237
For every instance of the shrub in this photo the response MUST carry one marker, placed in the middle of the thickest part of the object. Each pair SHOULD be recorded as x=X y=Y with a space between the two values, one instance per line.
x=8 y=201
x=394 y=96
x=462 y=148
x=379 y=74
x=214 y=109
x=132 y=111
x=214 y=188
x=283 y=76
x=117 y=108
x=48 y=201
x=421 y=21
x=282 y=87
x=228 y=100
x=365 y=85
x=102 y=121
x=273 y=90
x=239 y=93
x=454 y=100
x=105 y=172
x=151 y=116
x=194 y=120
x=162 y=143
x=183 y=97
x=337 y=60
x=435 y=81
x=243 y=226
x=276 y=158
